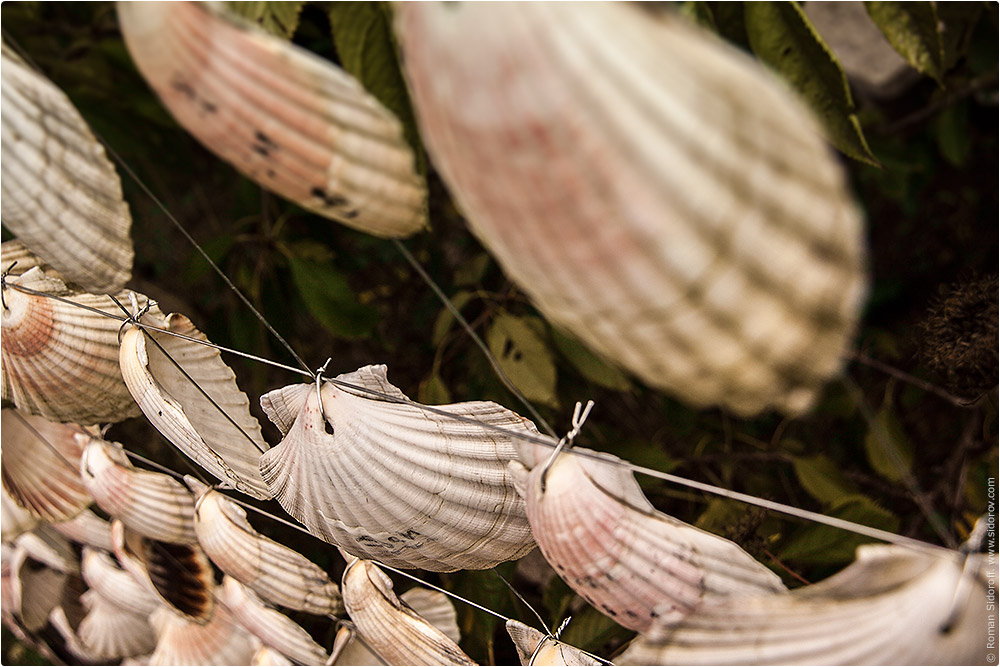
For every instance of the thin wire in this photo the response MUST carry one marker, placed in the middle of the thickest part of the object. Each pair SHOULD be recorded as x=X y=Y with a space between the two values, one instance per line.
x=520 y=597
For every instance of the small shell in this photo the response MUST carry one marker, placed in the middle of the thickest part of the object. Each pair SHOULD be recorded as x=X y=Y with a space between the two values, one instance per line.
x=59 y=360
x=61 y=195
x=551 y=652
x=890 y=607
x=168 y=375
x=637 y=565
x=654 y=190
x=15 y=519
x=116 y=585
x=151 y=503
x=277 y=573
x=435 y=608
x=390 y=628
x=88 y=529
x=109 y=631
x=289 y=120
x=221 y=641
x=271 y=627
x=436 y=491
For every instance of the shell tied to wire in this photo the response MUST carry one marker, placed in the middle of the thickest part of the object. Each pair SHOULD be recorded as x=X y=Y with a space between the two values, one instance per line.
x=60 y=358
x=290 y=121
x=190 y=395
x=535 y=648
x=394 y=482
x=654 y=191
x=61 y=195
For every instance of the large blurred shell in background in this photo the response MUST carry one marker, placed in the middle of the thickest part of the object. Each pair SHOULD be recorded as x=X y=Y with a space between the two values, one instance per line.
x=394 y=482
x=291 y=121
x=653 y=190
x=61 y=195
x=60 y=361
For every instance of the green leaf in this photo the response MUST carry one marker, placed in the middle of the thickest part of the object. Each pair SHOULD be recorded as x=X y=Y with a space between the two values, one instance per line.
x=589 y=364
x=432 y=391
x=471 y=272
x=720 y=515
x=278 y=18
x=699 y=12
x=951 y=130
x=820 y=544
x=524 y=356
x=959 y=20
x=889 y=451
x=782 y=36
x=442 y=325
x=913 y=29
x=330 y=300
x=822 y=479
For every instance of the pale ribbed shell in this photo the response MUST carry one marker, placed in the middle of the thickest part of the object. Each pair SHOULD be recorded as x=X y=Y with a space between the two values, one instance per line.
x=109 y=631
x=268 y=657
x=435 y=608
x=221 y=641
x=224 y=438
x=59 y=360
x=276 y=572
x=61 y=195
x=637 y=565
x=116 y=585
x=396 y=483
x=151 y=503
x=87 y=529
x=291 y=121
x=552 y=651
x=41 y=463
x=17 y=259
x=60 y=621
x=349 y=648
x=391 y=629
x=47 y=546
x=888 y=608
x=653 y=190
x=271 y=627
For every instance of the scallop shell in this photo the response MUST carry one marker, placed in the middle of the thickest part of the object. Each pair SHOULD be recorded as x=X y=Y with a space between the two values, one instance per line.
x=41 y=463
x=436 y=491
x=61 y=195
x=271 y=627
x=16 y=260
x=287 y=119
x=268 y=657
x=47 y=546
x=654 y=191
x=88 y=529
x=551 y=652
x=151 y=503
x=221 y=641
x=435 y=608
x=890 y=607
x=37 y=589
x=60 y=361
x=71 y=651
x=15 y=519
x=178 y=574
x=637 y=565
x=108 y=631
x=276 y=572
x=116 y=585
x=191 y=397
x=349 y=648
x=390 y=628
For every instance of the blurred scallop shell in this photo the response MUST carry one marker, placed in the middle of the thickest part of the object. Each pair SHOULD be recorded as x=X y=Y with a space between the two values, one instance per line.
x=109 y=631
x=394 y=482
x=190 y=395
x=637 y=565
x=151 y=503
x=36 y=589
x=60 y=361
x=276 y=572
x=892 y=606
x=390 y=628
x=41 y=466
x=290 y=121
x=268 y=657
x=16 y=260
x=15 y=519
x=435 y=608
x=72 y=651
x=88 y=529
x=178 y=574
x=61 y=196
x=47 y=546
x=116 y=585
x=221 y=641
x=271 y=627
x=655 y=191
x=536 y=648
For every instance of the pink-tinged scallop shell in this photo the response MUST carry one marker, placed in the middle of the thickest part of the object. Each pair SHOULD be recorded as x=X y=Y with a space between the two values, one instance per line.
x=654 y=191
x=41 y=463
x=60 y=361
x=151 y=503
x=271 y=627
x=116 y=585
x=394 y=482
x=190 y=395
x=109 y=631
x=637 y=565
x=536 y=648
x=61 y=195
x=892 y=606
x=221 y=641
x=289 y=120
x=277 y=573
x=390 y=628
x=88 y=529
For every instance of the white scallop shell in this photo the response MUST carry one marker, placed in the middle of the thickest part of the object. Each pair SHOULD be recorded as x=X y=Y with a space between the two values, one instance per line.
x=190 y=395
x=61 y=195
x=390 y=628
x=88 y=529
x=271 y=627
x=890 y=607
x=550 y=652
x=435 y=490
x=289 y=120
x=655 y=191
x=637 y=565
x=116 y=585
x=60 y=361
x=221 y=641
x=151 y=503
x=276 y=572
x=109 y=631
